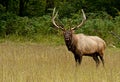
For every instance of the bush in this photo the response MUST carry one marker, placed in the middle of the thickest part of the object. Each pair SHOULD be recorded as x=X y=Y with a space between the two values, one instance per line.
x=12 y=25
x=4 y=19
x=32 y=28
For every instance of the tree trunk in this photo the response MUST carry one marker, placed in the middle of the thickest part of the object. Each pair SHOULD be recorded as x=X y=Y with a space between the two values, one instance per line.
x=21 y=8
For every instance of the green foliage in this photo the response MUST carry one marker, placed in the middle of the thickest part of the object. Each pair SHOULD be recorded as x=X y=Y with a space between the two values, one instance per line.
x=25 y=26
x=31 y=19
x=66 y=9
x=40 y=7
x=4 y=19
x=2 y=9
x=35 y=8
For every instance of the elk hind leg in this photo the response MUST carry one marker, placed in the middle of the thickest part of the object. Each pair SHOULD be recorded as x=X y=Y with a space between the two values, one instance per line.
x=102 y=59
x=95 y=57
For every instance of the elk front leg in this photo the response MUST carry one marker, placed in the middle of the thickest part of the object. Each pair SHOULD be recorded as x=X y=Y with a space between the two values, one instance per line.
x=78 y=59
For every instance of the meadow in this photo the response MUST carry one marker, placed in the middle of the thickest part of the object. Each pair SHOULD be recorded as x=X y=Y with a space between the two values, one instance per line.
x=37 y=62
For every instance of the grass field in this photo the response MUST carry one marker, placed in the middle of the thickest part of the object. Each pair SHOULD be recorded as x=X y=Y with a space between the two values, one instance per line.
x=30 y=62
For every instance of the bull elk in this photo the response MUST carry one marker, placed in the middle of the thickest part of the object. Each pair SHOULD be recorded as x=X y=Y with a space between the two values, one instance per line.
x=81 y=44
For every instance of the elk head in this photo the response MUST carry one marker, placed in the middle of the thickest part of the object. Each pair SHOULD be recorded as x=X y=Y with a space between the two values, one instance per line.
x=68 y=33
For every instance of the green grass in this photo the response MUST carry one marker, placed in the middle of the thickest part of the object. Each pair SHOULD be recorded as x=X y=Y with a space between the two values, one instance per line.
x=31 y=62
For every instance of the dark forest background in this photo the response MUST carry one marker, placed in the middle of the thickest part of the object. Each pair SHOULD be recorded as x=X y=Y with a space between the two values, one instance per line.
x=31 y=19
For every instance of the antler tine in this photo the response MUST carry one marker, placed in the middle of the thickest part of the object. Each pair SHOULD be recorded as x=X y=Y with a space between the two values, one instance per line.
x=53 y=12
x=83 y=21
x=53 y=19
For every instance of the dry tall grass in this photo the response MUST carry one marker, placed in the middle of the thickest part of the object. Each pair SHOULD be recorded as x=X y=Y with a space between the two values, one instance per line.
x=45 y=63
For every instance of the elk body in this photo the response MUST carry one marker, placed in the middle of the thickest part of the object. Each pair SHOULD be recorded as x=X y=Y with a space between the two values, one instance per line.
x=80 y=44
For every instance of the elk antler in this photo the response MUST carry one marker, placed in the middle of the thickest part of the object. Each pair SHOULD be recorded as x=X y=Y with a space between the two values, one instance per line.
x=54 y=15
x=83 y=21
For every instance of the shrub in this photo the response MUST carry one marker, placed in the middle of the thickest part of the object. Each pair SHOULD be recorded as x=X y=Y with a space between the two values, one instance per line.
x=32 y=28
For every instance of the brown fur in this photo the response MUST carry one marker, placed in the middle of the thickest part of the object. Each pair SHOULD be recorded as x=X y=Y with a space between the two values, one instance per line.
x=83 y=45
